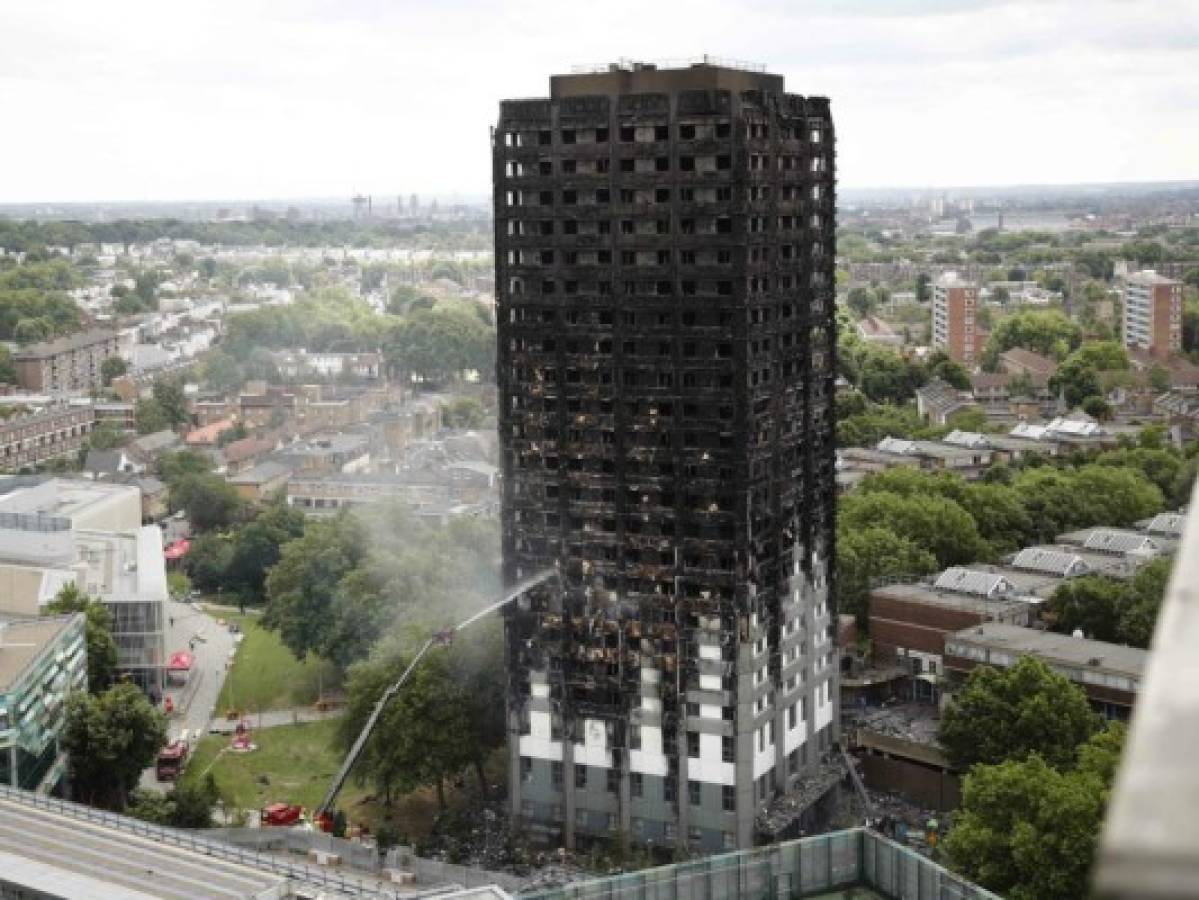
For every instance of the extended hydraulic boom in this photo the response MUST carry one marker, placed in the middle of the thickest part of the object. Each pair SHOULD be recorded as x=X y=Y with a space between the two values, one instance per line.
x=442 y=638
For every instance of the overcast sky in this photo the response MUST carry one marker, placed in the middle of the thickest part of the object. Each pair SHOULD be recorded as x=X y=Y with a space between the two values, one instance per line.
x=240 y=99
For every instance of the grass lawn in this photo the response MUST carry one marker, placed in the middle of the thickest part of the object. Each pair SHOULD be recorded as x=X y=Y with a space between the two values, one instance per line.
x=265 y=674
x=296 y=762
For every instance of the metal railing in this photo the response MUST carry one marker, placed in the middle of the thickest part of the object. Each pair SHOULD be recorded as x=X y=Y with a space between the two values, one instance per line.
x=627 y=64
x=195 y=842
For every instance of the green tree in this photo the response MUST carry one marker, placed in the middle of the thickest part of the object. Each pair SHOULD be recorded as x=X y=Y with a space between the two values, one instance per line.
x=1027 y=831
x=207 y=562
x=1103 y=356
x=150 y=416
x=112 y=367
x=208 y=500
x=101 y=646
x=1059 y=500
x=884 y=376
x=106 y=435
x=1159 y=379
x=110 y=739
x=440 y=344
x=256 y=547
x=302 y=586
x=1012 y=714
x=862 y=301
x=936 y=524
x=1047 y=332
x=1092 y=604
x=952 y=372
x=168 y=394
x=865 y=555
x=193 y=803
x=422 y=736
x=1146 y=593
x=1077 y=380
x=174 y=465
x=1097 y=408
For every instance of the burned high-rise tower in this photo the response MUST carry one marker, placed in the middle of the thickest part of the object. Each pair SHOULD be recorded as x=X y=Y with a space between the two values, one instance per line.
x=664 y=272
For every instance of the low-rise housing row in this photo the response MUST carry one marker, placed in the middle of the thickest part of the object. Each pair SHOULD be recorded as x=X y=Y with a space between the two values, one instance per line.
x=53 y=432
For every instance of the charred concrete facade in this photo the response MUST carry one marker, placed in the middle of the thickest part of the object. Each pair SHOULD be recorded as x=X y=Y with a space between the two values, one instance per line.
x=664 y=271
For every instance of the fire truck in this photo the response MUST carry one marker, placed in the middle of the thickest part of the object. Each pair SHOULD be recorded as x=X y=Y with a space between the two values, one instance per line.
x=172 y=758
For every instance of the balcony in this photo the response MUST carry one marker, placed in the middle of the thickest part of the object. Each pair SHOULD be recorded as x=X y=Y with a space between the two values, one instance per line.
x=857 y=862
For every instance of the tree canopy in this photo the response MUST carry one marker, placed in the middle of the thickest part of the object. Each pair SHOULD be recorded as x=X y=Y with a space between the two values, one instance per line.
x=111 y=739
x=1011 y=714
x=208 y=500
x=1047 y=332
x=441 y=343
x=1029 y=831
x=101 y=646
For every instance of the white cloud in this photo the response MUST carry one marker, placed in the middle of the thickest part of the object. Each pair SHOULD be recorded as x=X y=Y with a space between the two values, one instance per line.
x=245 y=98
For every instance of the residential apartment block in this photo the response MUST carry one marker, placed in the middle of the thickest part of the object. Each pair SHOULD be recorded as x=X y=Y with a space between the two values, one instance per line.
x=66 y=364
x=1153 y=313
x=664 y=272
x=56 y=431
x=955 y=327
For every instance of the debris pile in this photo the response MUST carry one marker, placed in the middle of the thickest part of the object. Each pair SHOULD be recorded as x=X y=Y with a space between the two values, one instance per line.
x=806 y=791
x=916 y=722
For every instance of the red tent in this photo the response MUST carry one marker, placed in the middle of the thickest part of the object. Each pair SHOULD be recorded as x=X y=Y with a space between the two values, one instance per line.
x=181 y=661
x=177 y=550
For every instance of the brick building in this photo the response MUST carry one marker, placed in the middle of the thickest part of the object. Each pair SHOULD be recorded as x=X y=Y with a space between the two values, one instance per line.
x=955 y=326
x=1109 y=674
x=54 y=432
x=70 y=363
x=1153 y=314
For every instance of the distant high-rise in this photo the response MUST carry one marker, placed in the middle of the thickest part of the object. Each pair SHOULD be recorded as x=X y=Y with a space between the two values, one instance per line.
x=664 y=277
x=1153 y=313
x=955 y=319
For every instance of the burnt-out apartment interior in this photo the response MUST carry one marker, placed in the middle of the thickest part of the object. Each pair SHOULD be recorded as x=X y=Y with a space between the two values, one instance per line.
x=665 y=300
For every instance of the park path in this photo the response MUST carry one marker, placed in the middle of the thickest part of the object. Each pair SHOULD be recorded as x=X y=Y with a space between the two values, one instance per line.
x=272 y=718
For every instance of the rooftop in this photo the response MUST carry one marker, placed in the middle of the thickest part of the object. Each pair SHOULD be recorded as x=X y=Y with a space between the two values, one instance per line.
x=64 y=344
x=1149 y=276
x=953 y=279
x=923 y=592
x=1027 y=359
x=1063 y=563
x=1170 y=524
x=961 y=580
x=628 y=76
x=262 y=473
x=62 y=498
x=1053 y=647
x=208 y=434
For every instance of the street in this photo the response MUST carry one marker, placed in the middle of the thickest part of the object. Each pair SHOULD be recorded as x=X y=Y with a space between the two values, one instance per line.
x=212 y=646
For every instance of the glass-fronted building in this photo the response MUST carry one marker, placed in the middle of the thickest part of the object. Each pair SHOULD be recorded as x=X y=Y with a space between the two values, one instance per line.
x=41 y=661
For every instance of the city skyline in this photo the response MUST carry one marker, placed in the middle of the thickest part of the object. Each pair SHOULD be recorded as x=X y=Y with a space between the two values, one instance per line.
x=323 y=100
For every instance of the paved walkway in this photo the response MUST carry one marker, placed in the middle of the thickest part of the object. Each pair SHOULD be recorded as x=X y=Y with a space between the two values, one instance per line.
x=271 y=718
